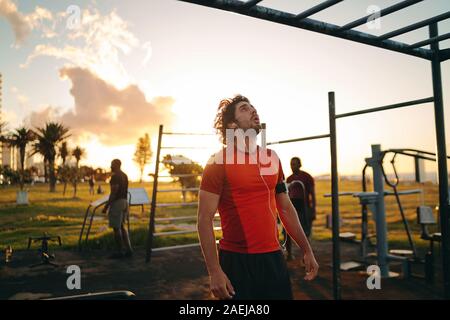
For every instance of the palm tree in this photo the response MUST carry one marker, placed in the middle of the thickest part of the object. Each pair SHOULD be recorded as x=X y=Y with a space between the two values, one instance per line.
x=63 y=152
x=19 y=139
x=78 y=153
x=39 y=148
x=48 y=137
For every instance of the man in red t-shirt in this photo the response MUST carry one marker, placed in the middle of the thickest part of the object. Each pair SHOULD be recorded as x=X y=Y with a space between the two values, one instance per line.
x=303 y=197
x=245 y=183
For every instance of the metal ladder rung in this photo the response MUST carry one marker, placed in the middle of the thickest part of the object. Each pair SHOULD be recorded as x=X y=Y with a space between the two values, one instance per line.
x=176 y=204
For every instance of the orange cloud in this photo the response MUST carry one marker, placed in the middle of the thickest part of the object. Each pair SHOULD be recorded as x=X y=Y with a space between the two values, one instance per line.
x=115 y=116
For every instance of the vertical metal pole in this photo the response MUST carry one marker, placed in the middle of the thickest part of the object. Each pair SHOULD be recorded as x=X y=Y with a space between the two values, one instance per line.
x=380 y=217
x=334 y=199
x=151 y=226
x=441 y=159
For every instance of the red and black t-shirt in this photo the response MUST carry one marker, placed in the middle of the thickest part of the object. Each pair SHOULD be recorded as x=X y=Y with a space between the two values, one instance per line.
x=247 y=205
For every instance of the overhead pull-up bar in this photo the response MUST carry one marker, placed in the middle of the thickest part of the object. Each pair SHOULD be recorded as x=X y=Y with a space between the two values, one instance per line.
x=415 y=26
x=300 y=139
x=289 y=19
x=430 y=41
x=384 y=12
x=316 y=9
x=387 y=107
x=189 y=134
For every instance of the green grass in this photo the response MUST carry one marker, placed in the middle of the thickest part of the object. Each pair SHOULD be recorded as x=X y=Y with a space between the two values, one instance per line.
x=63 y=215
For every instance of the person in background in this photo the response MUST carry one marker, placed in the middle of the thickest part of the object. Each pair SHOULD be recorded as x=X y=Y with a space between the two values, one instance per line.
x=303 y=197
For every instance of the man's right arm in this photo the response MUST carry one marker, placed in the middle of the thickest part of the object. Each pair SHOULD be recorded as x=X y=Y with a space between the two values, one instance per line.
x=220 y=284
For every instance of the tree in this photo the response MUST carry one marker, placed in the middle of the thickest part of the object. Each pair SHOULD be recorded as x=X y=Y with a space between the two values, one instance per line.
x=40 y=148
x=63 y=152
x=74 y=173
x=178 y=167
x=2 y=127
x=19 y=139
x=143 y=153
x=78 y=153
x=48 y=138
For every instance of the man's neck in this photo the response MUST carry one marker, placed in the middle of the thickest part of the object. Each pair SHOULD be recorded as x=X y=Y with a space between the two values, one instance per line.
x=296 y=171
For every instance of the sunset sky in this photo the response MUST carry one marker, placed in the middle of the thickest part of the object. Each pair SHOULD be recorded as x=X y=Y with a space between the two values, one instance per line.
x=132 y=65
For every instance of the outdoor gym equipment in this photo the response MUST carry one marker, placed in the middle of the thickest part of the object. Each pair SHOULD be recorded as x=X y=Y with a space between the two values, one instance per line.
x=46 y=257
x=434 y=54
x=152 y=221
x=136 y=197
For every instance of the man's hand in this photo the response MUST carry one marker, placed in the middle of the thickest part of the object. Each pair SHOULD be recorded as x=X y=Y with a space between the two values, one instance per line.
x=311 y=266
x=221 y=286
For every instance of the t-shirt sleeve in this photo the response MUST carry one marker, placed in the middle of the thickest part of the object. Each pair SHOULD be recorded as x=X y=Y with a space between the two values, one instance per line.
x=213 y=178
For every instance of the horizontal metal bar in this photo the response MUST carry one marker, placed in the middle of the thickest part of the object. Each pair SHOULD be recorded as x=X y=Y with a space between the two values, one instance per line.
x=176 y=204
x=384 y=12
x=412 y=150
x=179 y=190
x=189 y=134
x=388 y=107
x=417 y=155
x=300 y=139
x=289 y=19
x=444 y=55
x=173 y=233
x=431 y=40
x=316 y=9
x=183 y=246
x=415 y=26
x=403 y=192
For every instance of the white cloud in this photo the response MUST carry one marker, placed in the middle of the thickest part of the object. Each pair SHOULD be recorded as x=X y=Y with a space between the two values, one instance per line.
x=97 y=44
x=16 y=19
x=22 y=24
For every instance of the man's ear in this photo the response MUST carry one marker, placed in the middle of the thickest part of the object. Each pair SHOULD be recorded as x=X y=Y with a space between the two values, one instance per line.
x=232 y=125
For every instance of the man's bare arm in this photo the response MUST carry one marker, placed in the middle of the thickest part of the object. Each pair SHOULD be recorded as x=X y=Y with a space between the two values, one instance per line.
x=291 y=223
x=207 y=206
x=112 y=196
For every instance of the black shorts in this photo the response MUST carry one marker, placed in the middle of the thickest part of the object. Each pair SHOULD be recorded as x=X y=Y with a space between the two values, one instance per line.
x=262 y=276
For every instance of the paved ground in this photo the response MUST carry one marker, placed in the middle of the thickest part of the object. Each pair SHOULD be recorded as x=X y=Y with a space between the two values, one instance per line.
x=180 y=274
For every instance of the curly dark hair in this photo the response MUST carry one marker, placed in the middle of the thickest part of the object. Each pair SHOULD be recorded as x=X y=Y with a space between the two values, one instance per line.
x=225 y=114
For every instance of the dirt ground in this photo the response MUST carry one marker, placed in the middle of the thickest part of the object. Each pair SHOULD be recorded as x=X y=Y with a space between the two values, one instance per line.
x=181 y=274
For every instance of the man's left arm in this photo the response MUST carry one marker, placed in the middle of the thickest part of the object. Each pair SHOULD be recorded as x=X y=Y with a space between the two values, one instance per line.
x=291 y=223
x=112 y=197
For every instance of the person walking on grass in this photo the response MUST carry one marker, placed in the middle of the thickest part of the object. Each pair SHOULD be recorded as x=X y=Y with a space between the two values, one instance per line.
x=118 y=210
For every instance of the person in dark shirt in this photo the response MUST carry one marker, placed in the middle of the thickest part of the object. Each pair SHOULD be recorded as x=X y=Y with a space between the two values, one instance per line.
x=117 y=208
x=303 y=197
x=91 y=184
